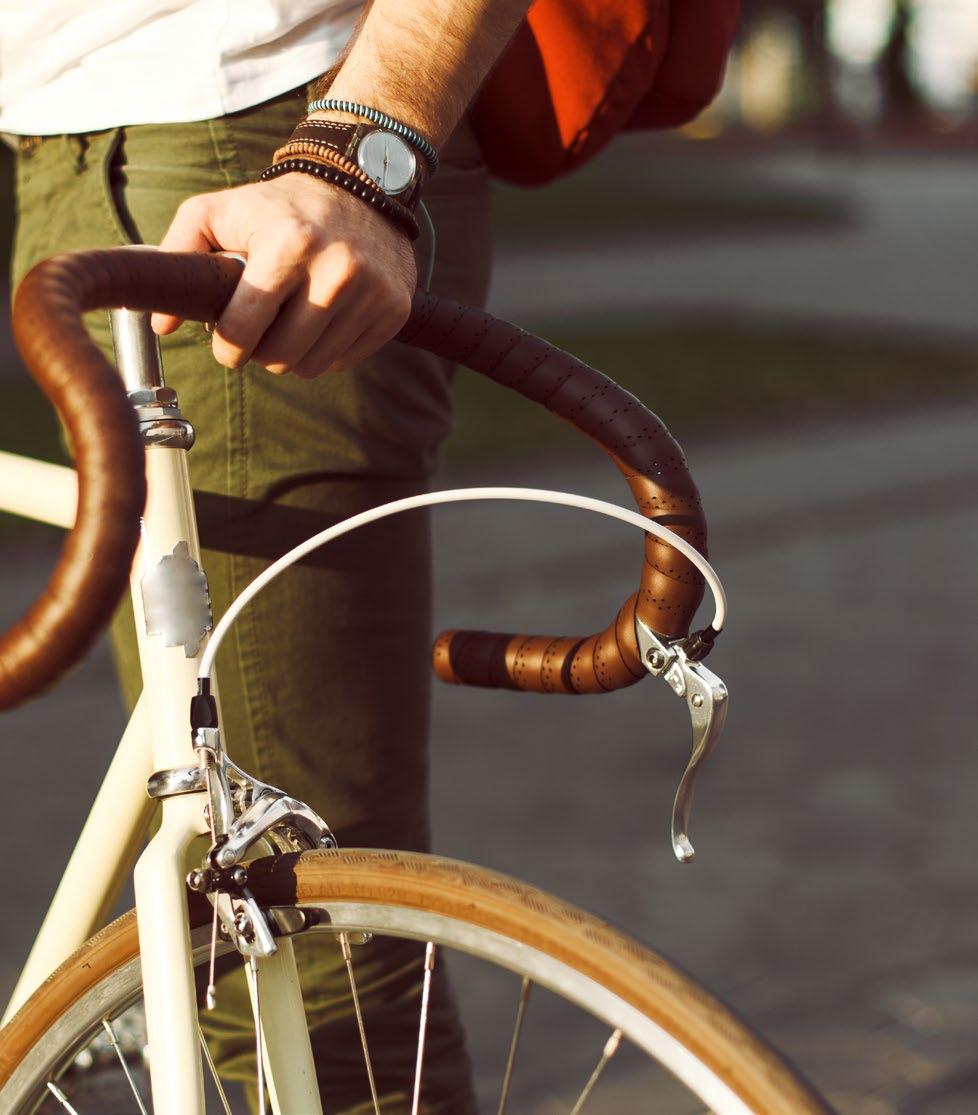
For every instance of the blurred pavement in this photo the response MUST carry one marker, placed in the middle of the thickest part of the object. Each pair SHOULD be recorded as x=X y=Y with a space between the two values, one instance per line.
x=832 y=901
x=900 y=263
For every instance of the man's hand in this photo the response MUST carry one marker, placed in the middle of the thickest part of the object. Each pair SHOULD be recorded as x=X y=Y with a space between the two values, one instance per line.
x=327 y=282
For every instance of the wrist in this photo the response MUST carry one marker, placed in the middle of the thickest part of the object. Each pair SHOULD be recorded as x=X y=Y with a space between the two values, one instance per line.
x=332 y=176
x=432 y=117
x=377 y=132
x=401 y=178
x=342 y=117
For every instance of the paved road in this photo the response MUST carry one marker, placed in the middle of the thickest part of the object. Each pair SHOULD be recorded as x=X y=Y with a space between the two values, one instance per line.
x=903 y=261
x=832 y=900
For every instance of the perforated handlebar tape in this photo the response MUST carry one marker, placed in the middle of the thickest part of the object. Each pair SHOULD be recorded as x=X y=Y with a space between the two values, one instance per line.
x=92 y=571
x=645 y=453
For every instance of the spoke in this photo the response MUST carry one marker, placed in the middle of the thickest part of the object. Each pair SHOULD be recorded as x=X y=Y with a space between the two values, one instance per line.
x=61 y=1098
x=429 y=965
x=610 y=1049
x=348 y=958
x=210 y=1064
x=513 y=1045
x=253 y=961
x=107 y=1026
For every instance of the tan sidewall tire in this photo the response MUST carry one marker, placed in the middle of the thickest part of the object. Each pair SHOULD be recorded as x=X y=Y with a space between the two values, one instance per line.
x=458 y=891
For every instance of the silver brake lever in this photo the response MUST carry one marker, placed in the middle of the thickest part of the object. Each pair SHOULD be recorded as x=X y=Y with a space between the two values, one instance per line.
x=706 y=698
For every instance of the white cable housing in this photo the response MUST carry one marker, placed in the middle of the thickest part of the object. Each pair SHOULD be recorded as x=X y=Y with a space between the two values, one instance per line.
x=462 y=495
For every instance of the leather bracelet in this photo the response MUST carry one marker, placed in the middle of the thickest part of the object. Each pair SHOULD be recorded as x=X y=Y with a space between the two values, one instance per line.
x=338 y=134
x=402 y=218
x=375 y=116
x=326 y=152
x=341 y=137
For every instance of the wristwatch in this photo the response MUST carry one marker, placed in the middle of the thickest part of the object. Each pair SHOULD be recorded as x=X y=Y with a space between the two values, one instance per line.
x=389 y=160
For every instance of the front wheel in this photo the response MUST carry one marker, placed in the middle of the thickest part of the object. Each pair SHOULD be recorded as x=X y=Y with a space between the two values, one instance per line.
x=641 y=1034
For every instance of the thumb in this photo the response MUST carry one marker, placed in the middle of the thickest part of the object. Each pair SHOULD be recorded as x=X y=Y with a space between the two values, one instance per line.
x=189 y=231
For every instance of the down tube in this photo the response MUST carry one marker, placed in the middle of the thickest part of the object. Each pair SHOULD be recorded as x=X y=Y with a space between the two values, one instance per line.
x=101 y=862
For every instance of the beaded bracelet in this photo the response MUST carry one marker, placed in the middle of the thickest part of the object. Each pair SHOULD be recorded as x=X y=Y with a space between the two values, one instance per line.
x=331 y=104
x=321 y=153
x=324 y=152
x=373 y=195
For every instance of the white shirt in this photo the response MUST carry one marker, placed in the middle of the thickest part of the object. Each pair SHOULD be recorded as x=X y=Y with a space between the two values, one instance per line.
x=85 y=65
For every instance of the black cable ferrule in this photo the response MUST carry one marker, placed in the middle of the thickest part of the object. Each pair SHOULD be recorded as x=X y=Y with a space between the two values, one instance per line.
x=698 y=645
x=203 y=706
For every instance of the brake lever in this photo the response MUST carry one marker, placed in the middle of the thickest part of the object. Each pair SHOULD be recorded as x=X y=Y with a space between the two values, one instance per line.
x=706 y=699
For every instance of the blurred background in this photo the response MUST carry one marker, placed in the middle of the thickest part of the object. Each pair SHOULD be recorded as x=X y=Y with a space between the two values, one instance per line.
x=791 y=282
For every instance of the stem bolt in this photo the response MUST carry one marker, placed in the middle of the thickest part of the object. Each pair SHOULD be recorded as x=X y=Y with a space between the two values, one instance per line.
x=656 y=659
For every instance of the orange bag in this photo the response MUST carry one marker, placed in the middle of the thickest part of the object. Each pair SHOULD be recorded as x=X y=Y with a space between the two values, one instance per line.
x=577 y=72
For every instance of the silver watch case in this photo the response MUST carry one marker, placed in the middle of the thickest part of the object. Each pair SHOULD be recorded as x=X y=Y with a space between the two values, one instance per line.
x=389 y=160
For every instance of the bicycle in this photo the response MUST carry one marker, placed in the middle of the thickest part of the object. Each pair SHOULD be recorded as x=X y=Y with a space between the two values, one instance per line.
x=73 y=991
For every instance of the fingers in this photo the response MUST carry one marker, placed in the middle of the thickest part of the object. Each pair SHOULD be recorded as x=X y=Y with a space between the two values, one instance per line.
x=326 y=278
x=383 y=328
x=336 y=341
x=189 y=231
x=346 y=343
x=337 y=290
x=269 y=280
x=297 y=328
x=365 y=345
x=320 y=319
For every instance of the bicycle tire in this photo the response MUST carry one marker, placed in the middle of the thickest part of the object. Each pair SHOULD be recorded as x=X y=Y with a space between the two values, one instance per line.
x=528 y=932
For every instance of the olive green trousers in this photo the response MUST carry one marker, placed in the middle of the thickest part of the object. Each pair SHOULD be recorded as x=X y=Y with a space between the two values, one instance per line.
x=325 y=678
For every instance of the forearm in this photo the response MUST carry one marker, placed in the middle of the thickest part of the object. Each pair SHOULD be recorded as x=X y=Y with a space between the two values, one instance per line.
x=328 y=280
x=422 y=61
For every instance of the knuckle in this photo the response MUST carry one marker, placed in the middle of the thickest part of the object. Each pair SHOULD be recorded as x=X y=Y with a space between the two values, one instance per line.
x=302 y=237
x=392 y=307
x=401 y=305
x=192 y=207
x=347 y=264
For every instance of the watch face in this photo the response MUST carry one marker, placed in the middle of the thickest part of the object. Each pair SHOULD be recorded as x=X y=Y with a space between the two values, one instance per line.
x=389 y=160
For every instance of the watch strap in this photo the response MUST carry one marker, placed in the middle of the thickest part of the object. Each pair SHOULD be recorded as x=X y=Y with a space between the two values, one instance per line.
x=343 y=138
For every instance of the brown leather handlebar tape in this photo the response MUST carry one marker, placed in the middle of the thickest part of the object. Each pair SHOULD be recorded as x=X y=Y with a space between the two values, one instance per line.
x=656 y=471
x=92 y=570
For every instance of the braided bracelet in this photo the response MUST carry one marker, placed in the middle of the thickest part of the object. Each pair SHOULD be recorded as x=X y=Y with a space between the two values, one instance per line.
x=391 y=209
x=331 y=104
x=324 y=152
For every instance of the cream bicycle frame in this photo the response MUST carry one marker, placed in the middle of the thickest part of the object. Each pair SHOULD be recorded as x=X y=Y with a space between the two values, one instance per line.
x=157 y=738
